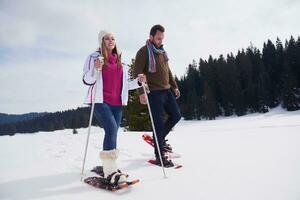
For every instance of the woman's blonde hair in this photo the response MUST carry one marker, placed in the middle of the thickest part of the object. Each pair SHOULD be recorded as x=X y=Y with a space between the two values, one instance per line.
x=104 y=52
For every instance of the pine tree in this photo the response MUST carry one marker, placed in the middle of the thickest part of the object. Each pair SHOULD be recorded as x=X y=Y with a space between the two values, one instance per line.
x=291 y=91
x=246 y=72
x=260 y=81
x=193 y=93
x=278 y=79
x=209 y=107
x=297 y=59
x=208 y=103
x=236 y=94
x=272 y=61
x=136 y=115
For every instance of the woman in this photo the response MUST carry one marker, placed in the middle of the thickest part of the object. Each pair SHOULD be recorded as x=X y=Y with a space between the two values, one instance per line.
x=104 y=67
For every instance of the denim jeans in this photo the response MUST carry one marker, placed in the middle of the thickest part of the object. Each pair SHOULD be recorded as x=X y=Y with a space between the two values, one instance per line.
x=110 y=118
x=161 y=102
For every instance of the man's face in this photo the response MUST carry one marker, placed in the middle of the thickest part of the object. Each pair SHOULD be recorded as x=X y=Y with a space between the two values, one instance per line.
x=157 y=39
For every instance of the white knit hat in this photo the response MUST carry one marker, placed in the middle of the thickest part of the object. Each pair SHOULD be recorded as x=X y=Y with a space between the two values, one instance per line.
x=102 y=34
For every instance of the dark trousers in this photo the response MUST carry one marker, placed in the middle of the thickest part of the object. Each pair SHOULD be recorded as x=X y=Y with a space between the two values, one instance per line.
x=110 y=118
x=161 y=102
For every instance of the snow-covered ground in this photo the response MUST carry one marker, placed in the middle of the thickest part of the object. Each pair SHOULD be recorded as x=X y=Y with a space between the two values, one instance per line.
x=254 y=157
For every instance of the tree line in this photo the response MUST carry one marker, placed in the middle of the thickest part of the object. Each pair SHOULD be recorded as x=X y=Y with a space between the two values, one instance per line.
x=250 y=81
x=69 y=119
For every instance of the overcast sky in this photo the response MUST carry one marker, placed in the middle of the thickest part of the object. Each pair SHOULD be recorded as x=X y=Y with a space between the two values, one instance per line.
x=43 y=44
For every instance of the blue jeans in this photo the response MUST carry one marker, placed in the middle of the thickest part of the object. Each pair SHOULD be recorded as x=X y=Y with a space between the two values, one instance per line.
x=110 y=118
x=161 y=102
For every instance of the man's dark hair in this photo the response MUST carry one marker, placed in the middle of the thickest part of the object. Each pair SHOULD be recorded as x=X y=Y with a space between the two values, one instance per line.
x=156 y=28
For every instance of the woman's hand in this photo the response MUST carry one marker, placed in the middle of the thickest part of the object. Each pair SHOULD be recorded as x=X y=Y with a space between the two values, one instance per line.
x=99 y=63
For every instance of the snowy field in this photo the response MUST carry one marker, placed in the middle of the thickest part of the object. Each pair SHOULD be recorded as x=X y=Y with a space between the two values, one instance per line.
x=255 y=157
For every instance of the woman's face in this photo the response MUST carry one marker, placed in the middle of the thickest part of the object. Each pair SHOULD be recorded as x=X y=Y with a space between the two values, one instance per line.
x=109 y=41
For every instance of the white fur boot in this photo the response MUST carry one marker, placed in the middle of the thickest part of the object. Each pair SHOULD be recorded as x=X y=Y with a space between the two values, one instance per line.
x=109 y=162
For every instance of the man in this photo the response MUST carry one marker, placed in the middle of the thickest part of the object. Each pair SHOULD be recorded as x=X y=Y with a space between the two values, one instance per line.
x=152 y=60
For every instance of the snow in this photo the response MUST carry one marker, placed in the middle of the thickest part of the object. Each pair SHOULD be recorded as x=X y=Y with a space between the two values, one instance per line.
x=237 y=158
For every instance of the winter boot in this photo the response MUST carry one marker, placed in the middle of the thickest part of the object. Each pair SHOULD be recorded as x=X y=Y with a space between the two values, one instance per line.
x=167 y=147
x=111 y=172
x=167 y=163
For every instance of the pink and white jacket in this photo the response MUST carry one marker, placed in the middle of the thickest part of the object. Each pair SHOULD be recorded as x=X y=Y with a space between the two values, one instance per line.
x=90 y=78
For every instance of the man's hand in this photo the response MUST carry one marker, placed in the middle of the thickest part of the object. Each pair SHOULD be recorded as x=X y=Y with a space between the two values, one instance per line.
x=177 y=93
x=143 y=99
x=142 y=78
